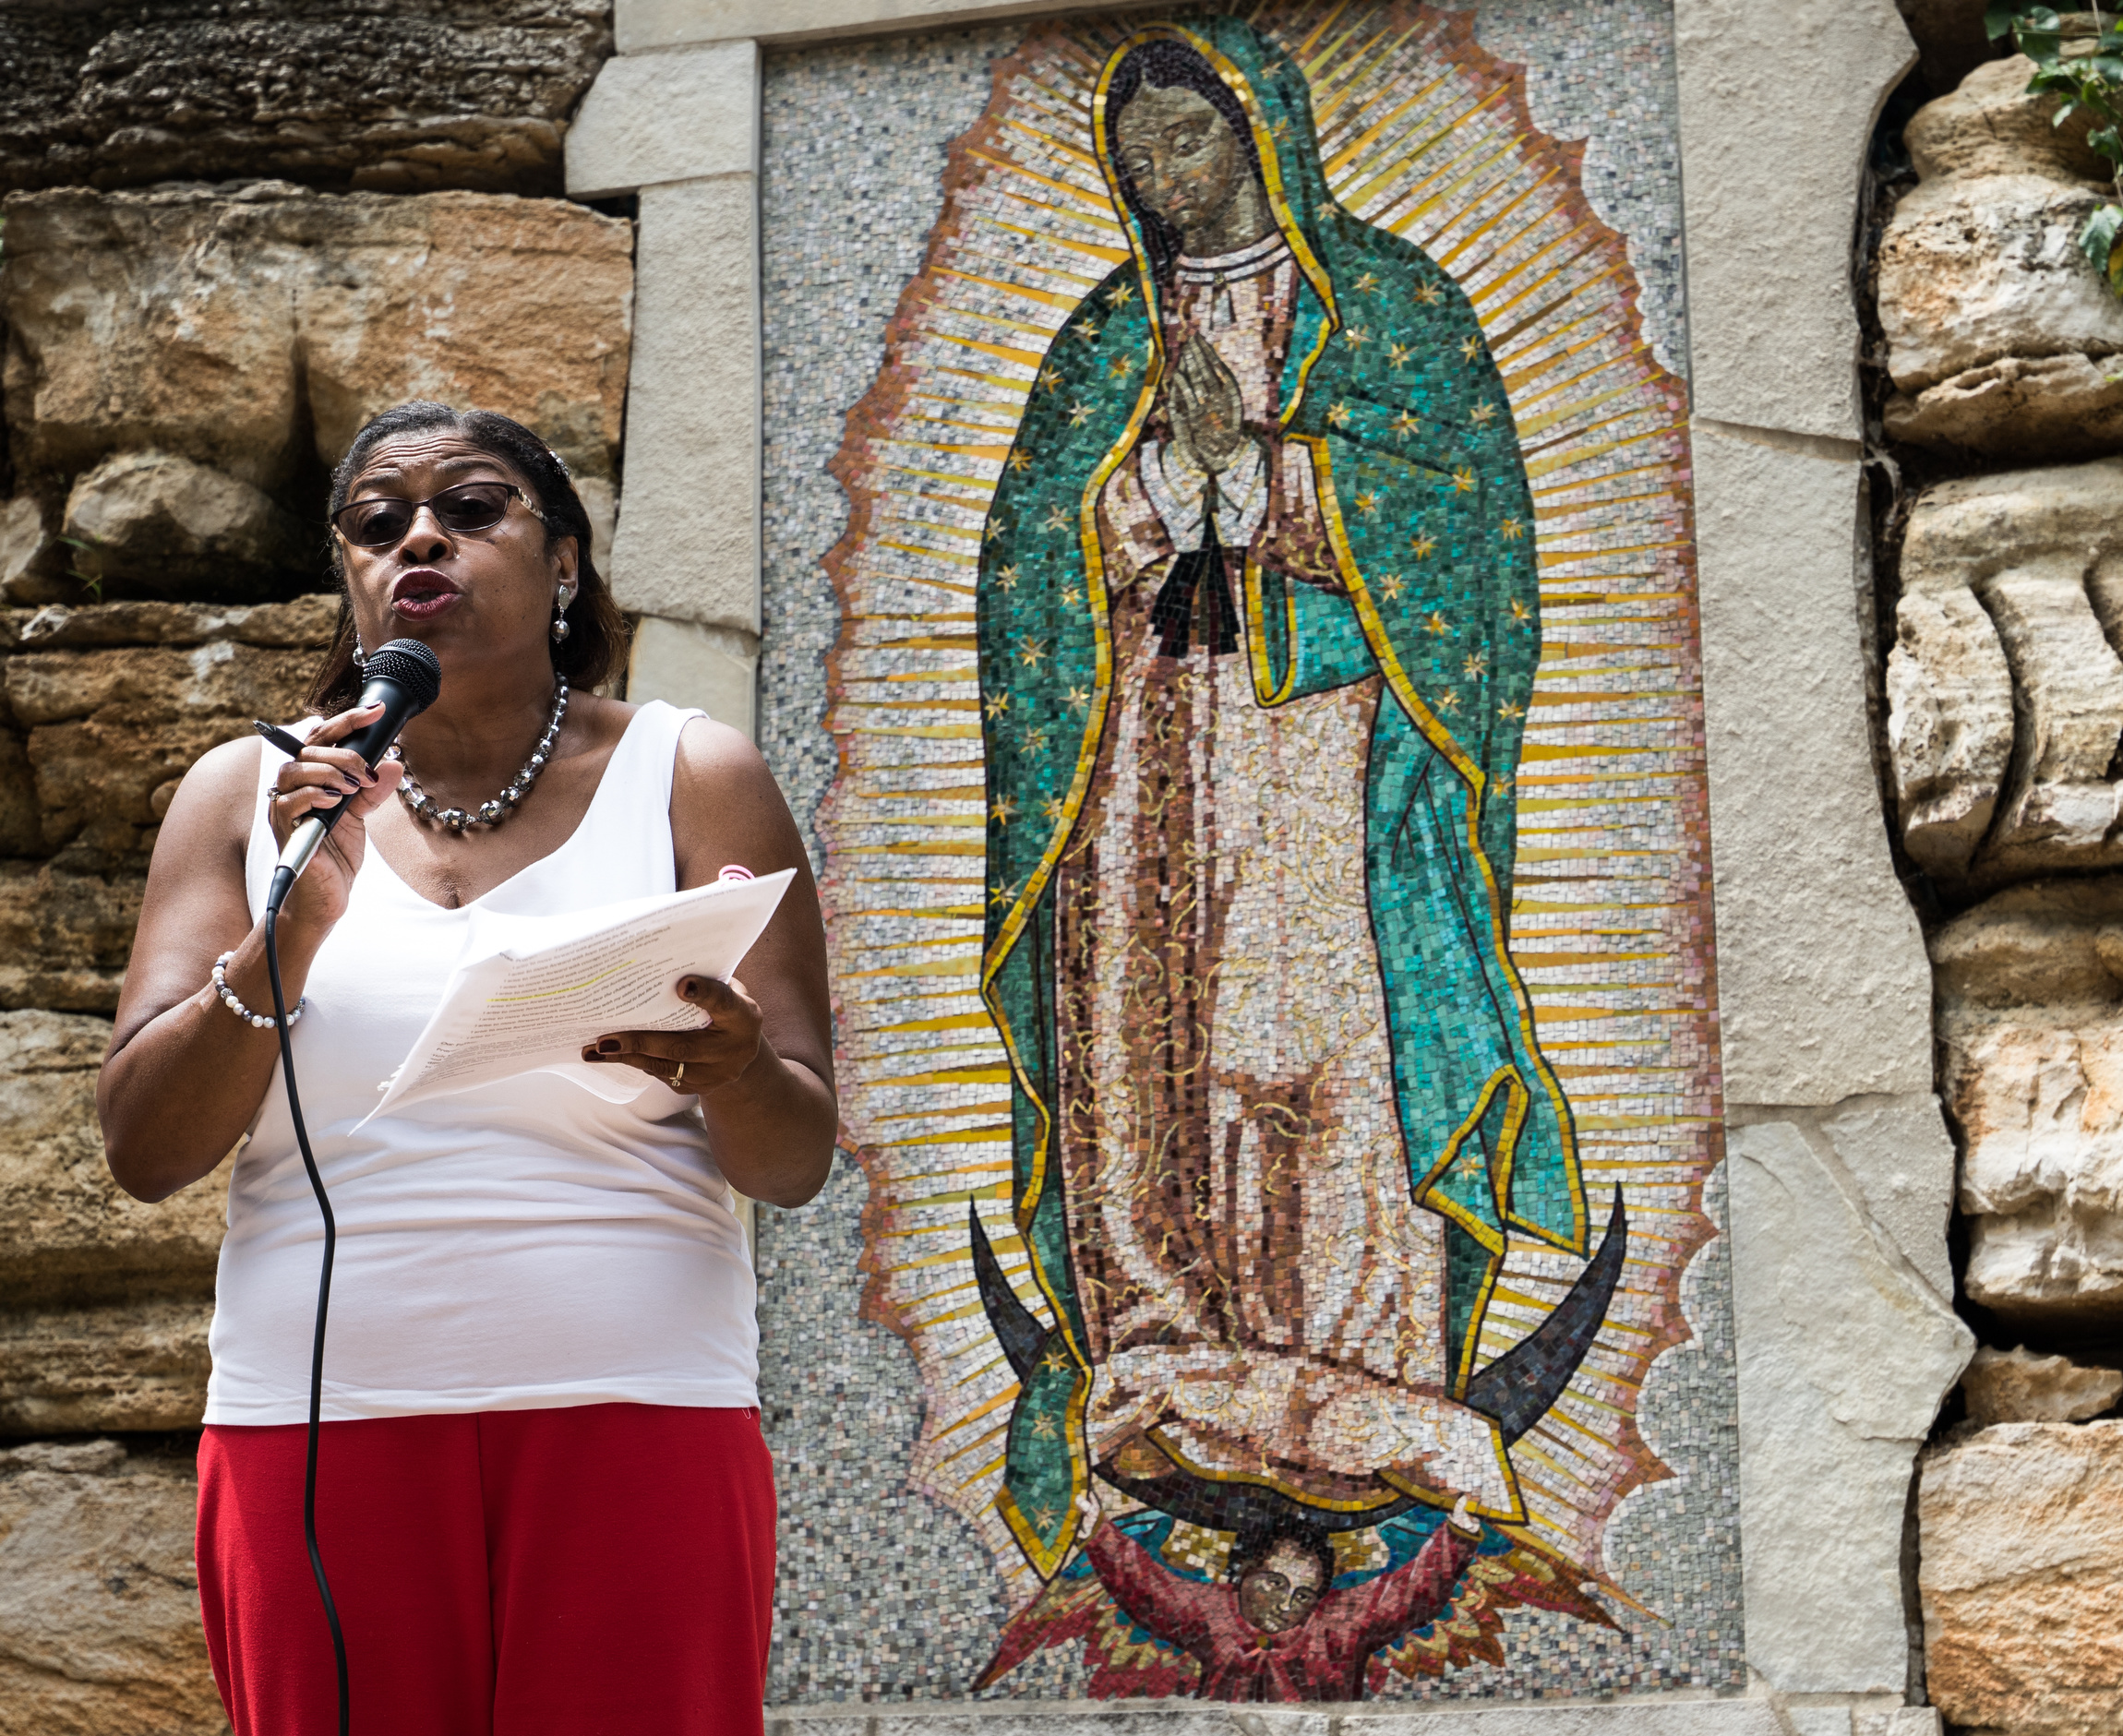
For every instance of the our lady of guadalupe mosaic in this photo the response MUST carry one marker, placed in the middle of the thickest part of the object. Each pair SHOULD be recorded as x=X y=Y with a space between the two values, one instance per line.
x=1267 y=877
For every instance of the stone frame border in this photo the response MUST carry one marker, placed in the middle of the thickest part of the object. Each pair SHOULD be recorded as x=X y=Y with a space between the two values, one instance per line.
x=1841 y=1164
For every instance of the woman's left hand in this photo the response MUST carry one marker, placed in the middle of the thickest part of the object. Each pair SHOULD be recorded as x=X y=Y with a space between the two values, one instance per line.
x=692 y=1060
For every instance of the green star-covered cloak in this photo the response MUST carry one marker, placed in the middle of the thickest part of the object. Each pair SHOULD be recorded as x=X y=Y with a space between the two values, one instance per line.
x=1392 y=386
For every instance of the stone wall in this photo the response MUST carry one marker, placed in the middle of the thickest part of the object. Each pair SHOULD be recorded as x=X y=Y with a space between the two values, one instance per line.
x=2000 y=419
x=188 y=348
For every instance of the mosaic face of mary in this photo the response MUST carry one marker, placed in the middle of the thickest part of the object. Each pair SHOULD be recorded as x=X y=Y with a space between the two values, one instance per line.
x=1258 y=626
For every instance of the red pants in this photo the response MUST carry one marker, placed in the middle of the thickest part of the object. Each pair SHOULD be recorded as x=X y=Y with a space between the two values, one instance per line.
x=520 y=1573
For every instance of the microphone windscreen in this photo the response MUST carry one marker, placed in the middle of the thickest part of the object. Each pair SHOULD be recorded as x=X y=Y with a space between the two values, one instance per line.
x=412 y=665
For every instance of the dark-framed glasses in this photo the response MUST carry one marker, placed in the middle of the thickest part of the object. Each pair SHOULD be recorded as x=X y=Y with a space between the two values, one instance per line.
x=382 y=520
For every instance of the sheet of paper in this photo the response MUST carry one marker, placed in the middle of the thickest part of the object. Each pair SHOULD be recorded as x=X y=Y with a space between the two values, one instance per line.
x=533 y=990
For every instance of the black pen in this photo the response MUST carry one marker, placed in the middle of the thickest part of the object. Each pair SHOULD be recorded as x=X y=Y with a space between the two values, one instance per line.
x=290 y=746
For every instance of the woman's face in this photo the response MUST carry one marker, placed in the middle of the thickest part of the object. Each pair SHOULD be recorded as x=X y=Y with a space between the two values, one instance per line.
x=470 y=596
x=1189 y=168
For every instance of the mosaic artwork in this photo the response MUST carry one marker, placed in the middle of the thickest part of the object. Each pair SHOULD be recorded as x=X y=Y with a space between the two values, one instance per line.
x=1267 y=868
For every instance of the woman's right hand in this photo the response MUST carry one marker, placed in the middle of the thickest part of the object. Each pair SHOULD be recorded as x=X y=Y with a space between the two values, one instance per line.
x=322 y=775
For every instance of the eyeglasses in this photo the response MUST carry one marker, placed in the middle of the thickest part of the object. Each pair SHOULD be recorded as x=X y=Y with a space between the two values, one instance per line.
x=473 y=506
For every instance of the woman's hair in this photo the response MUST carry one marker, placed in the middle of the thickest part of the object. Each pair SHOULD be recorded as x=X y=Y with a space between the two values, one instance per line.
x=1166 y=64
x=1251 y=1548
x=597 y=635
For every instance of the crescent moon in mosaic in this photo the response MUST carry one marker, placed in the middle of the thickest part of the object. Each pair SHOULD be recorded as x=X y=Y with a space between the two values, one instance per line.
x=1423 y=133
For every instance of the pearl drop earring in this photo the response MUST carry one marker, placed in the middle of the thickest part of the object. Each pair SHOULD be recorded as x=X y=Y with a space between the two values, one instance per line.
x=560 y=628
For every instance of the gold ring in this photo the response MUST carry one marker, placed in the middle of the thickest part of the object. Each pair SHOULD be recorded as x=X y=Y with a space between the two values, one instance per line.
x=678 y=1078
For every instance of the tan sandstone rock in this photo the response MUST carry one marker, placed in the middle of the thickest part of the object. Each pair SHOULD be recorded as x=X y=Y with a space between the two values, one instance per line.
x=2021 y=1540
x=2003 y=340
x=99 y=1594
x=172 y=320
x=113 y=1366
x=108 y=96
x=154 y=522
x=111 y=720
x=68 y=1231
x=65 y=937
x=27 y=552
x=2030 y=1025
x=2004 y=690
x=2019 y=1386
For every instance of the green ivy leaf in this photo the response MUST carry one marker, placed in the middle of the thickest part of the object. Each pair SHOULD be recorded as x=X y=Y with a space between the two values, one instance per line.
x=1997 y=18
x=2098 y=242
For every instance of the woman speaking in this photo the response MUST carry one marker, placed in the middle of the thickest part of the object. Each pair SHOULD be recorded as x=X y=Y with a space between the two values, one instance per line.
x=543 y=1497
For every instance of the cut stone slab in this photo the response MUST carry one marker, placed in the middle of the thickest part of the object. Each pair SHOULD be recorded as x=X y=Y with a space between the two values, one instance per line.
x=1844 y=1355
x=2021 y=1573
x=171 y=320
x=99 y=1594
x=685 y=664
x=162 y=523
x=2017 y=1386
x=675 y=116
x=110 y=95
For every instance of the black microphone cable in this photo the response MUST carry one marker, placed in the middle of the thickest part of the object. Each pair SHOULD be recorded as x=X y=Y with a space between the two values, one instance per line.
x=323 y=1308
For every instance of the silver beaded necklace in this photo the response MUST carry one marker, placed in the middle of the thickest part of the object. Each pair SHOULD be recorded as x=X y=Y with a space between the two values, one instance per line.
x=423 y=806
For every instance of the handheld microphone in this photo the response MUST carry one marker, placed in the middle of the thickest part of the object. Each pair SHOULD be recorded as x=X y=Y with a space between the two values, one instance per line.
x=404 y=678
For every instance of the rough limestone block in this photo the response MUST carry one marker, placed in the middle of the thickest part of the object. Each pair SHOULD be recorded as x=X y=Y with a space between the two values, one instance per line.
x=157 y=522
x=2027 y=569
x=172 y=320
x=2021 y=1572
x=675 y=116
x=685 y=664
x=2017 y=408
x=2017 y=1386
x=2040 y=1114
x=688 y=547
x=1777 y=104
x=1950 y=725
x=99 y=1594
x=1990 y=125
x=26 y=553
x=1844 y=1355
x=66 y=1230
x=1794 y=802
x=402 y=97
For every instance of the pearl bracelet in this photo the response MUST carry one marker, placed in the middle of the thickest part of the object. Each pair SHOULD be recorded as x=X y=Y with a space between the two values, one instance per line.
x=256 y=1021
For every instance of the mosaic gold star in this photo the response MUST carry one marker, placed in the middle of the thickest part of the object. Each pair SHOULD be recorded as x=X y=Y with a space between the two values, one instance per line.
x=1393 y=585
x=1034 y=742
x=995 y=704
x=1057 y=1358
x=1477 y=664
x=1483 y=412
x=1089 y=331
x=994 y=529
x=1367 y=284
x=1437 y=627
x=1510 y=711
x=1367 y=503
x=1056 y=520
x=1338 y=415
x=1398 y=354
x=1448 y=700
x=1121 y=296
x=1079 y=699
x=1029 y=652
x=1358 y=337
x=1470 y=348
x=1463 y=482
x=1050 y=377
x=1007 y=578
x=1053 y=808
x=1003 y=810
x=1425 y=546
x=1072 y=595
x=1002 y=891
x=1430 y=294
x=1046 y=1518
x=1404 y=424
x=1079 y=413
x=1511 y=530
x=1020 y=460
x=1121 y=366
x=1043 y=1430
x=1281 y=131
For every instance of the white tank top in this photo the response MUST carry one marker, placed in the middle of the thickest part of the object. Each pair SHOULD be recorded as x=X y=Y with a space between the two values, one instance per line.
x=526 y=1244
